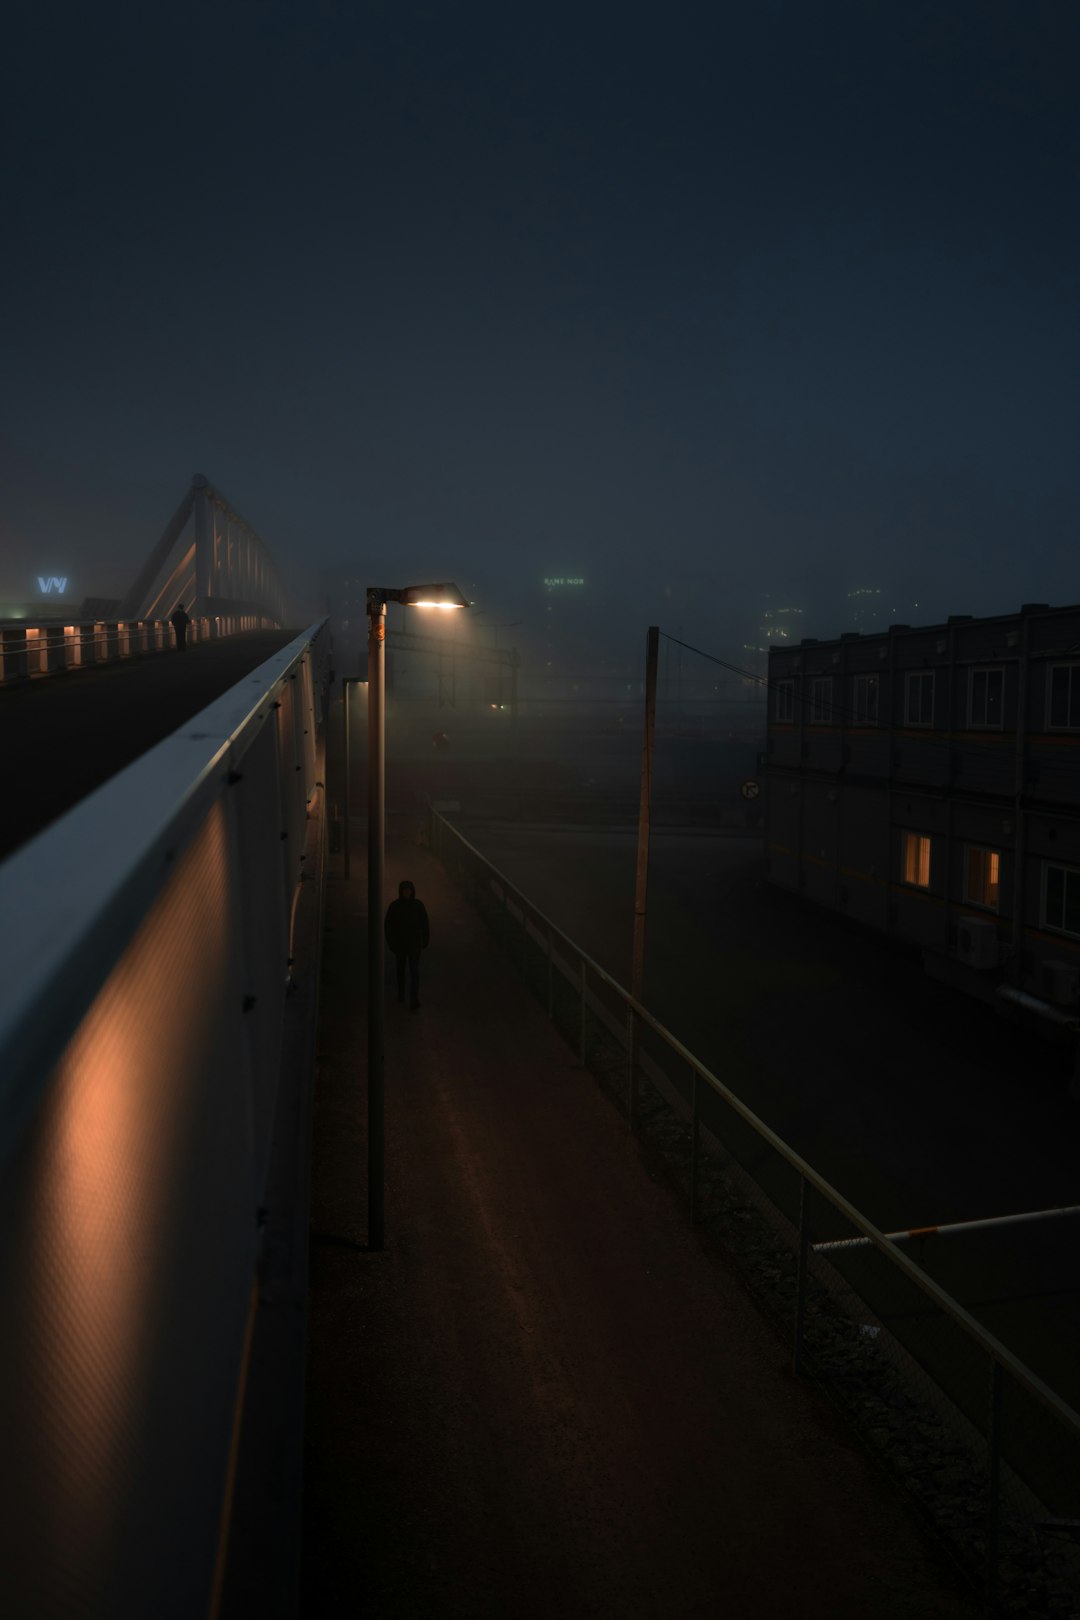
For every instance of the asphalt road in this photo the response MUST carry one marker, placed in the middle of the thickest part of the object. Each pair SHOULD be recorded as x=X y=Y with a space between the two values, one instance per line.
x=917 y=1104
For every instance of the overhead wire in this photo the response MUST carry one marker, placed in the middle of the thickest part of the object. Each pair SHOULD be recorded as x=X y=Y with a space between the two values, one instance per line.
x=844 y=713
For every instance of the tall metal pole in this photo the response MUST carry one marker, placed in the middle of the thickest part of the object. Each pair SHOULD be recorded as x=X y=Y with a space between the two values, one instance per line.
x=376 y=607
x=641 y=887
x=346 y=794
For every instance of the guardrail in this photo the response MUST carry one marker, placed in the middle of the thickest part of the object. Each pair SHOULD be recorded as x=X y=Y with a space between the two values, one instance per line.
x=143 y=978
x=31 y=650
x=989 y=1452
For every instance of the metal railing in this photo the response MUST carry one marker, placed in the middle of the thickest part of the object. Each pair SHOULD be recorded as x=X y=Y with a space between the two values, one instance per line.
x=144 y=970
x=31 y=650
x=988 y=1451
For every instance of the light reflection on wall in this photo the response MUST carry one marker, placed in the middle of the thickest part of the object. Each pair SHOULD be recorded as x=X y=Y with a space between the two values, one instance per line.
x=99 y=1194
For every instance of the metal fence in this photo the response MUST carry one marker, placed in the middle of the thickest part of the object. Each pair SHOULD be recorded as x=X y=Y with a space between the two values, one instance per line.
x=144 y=964
x=986 y=1449
x=31 y=650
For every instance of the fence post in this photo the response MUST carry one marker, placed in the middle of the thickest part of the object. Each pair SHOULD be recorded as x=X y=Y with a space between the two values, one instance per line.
x=582 y=1011
x=993 y=1483
x=551 y=977
x=693 y=1145
x=800 y=1280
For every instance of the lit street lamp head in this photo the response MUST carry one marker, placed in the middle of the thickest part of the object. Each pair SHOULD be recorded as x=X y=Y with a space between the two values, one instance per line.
x=442 y=595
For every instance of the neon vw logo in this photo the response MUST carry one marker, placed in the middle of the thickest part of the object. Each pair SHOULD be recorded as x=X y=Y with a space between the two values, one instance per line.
x=54 y=581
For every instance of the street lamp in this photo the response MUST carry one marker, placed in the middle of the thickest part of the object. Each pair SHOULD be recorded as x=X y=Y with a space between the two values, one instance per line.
x=443 y=596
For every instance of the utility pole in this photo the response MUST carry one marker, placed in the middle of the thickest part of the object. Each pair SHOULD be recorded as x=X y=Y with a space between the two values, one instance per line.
x=641 y=887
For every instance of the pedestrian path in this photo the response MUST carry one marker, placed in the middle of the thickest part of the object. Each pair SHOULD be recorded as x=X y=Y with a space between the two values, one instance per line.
x=65 y=734
x=542 y=1398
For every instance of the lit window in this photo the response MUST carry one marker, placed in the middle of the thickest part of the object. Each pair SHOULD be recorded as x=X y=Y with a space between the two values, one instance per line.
x=987 y=691
x=919 y=698
x=1064 y=701
x=982 y=876
x=1061 y=905
x=917 y=860
x=785 y=700
x=821 y=700
x=866 y=700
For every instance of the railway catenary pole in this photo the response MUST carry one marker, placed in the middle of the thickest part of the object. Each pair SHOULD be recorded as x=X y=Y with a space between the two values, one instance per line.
x=641 y=882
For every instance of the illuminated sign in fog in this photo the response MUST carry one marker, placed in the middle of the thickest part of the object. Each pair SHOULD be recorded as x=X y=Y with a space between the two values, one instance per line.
x=55 y=582
x=563 y=579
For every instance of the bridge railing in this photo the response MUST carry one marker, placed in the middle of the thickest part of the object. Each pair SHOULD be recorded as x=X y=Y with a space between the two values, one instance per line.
x=989 y=1452
x=50 y=648
x=144 y=969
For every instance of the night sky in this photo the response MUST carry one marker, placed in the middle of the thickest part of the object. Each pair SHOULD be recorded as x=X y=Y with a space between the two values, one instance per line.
x=694 y=301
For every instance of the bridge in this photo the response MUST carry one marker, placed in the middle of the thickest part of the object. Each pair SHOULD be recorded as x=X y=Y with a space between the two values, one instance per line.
x=551 y=1392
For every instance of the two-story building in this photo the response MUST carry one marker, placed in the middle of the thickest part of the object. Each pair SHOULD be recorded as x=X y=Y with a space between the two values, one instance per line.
x=927 y=782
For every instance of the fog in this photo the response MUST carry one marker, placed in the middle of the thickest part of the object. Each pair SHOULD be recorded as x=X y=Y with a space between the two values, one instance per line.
x=713 y=313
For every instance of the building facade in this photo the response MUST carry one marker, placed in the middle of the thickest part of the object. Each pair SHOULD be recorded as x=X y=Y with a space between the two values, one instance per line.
x=927 y=782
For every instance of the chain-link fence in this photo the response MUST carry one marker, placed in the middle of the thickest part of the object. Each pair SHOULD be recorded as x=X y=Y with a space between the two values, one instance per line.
x=988 y=1452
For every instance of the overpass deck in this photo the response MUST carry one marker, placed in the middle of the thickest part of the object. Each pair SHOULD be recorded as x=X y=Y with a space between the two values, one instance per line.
x=63 y=735
x=544 y=1397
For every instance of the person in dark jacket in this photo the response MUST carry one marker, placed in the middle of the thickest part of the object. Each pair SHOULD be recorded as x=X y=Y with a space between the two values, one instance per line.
x=180 y=621
x=407 y=934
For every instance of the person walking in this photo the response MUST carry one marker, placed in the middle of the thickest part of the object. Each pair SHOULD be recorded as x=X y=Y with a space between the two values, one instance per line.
x=407 y=934
x=180 y=621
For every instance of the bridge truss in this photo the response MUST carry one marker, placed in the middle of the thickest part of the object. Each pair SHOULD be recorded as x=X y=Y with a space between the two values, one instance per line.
x=211 y=559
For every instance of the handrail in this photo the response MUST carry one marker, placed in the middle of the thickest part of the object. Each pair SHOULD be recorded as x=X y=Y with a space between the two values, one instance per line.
x=993 y=1346
x=32 y=650
x=105 y=866
x=143 y=1003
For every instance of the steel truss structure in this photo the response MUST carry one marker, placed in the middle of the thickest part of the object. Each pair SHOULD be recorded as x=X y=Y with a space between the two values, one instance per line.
x=211 y=559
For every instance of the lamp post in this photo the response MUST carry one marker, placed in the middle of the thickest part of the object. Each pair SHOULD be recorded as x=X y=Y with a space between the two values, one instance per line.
x=437 y=596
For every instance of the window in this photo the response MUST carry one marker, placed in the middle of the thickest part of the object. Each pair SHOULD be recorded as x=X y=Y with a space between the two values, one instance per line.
x=1061 y=903
x=1064 y=700
x=866 y=700
x=987 y=695
x=919 y=699
x=982 y=871
x=785 y=700
x=821 y=700
x=917 y=860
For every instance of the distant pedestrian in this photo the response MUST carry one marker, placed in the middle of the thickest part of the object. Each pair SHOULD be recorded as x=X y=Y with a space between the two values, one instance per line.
x=407 y=934
x=180 y=621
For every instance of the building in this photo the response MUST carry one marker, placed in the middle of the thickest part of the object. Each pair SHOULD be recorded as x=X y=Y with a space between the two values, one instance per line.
x=927 y=782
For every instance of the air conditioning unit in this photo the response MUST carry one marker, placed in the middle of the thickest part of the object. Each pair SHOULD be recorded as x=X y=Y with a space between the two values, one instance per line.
x=1061 y=982
x=977 y=943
